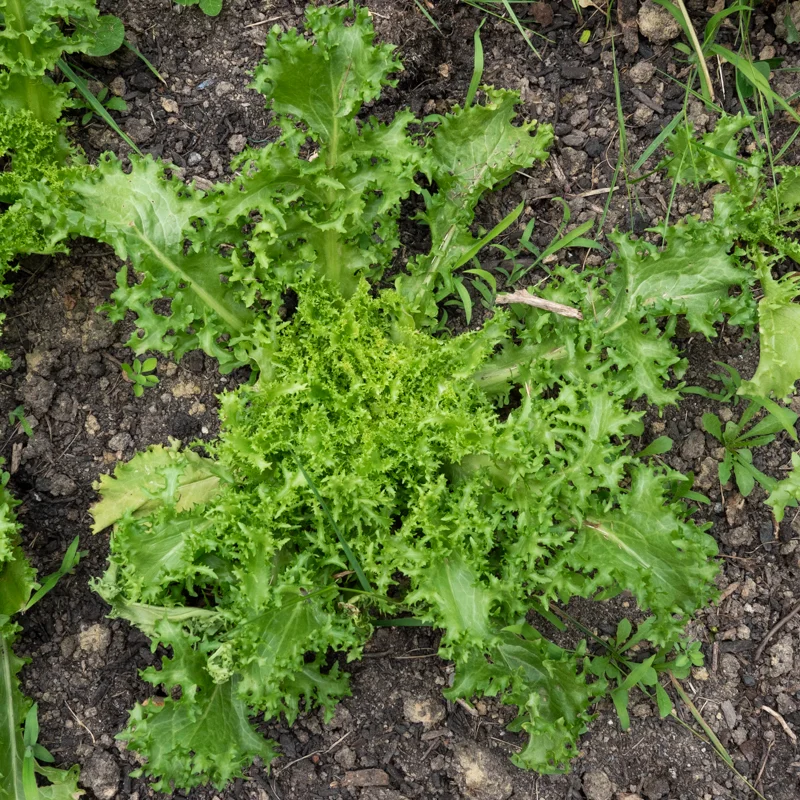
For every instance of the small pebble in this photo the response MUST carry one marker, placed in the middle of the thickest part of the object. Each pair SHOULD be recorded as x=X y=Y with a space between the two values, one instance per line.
x=366 y=777
x=642 y=72
x=120 y=441
x=118 y=87
x=766 y=532
x=597 y=785
x=575 y=139
x=237 y=143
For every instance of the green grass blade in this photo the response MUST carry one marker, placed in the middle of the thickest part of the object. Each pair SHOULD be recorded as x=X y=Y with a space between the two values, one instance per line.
x=721 y=154
x=756 y=78
x=95 y=104
x=718 y=746
x=623 y=139
x=427 y=15
x=494 y=14
x=575 y=238
x=657 y=142
x=501 y=226
x=144 y=60
x=521 y=30
x=477 y=70
x=71 y=559
x=686 y=87
x=782 y=152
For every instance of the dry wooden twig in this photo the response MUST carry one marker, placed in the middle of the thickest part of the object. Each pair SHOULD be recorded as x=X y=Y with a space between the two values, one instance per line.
x=782 y=722
x=774 y=629
x=526 y=298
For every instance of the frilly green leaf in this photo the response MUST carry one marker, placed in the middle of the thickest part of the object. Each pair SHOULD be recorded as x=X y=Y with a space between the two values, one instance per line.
x=158 y=475
x=205 y=735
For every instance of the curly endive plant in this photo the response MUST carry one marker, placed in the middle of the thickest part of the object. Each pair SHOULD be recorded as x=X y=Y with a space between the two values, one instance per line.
x=372 y=469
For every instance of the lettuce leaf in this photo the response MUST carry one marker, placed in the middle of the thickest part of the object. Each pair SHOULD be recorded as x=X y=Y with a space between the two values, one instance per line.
x=33 y=36
x=779 y=336
x=473 y=150
x=756 y=227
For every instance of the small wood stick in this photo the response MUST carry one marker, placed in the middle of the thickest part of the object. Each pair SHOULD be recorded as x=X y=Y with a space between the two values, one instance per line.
x=774 y=629
x=764 y=760
x=786 y=729
x=526 y=298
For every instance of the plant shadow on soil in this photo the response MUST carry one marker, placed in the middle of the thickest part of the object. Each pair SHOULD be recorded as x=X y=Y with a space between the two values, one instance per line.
x=66 y=373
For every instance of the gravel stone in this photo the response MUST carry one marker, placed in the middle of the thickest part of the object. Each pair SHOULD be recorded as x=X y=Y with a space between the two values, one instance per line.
x=193 y=159
x=541 y=13
x=37 y=394
x=95 y=639
x=144 y=81
x=642 y=115
x=738 y=537
x=118 y=87
x=597 y=785
x=366 y=777
x=730 y=666
x=481 y=774
x=574 y=73
x=574 y=161
x=345 y=758
x=729 y=712
x=656 y=23
x=708 y=475
x=642 y=72
x=428 y=712
x=120 y=441
x=101 y=774
x=341 y=718
x=237 y=143
x=697 y=115
x=694 y=446
x=575 y=139
x=781 y=657
x=655 y=788
x=139 y=130
x=58 y=485
x=785 y=704
x=593 y=147
x=68 y=646
x=64 y=408
x=579 y=117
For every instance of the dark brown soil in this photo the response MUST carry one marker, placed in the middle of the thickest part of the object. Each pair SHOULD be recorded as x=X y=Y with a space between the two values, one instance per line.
x=66 y=374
